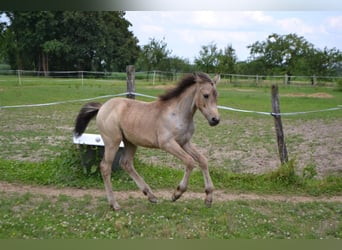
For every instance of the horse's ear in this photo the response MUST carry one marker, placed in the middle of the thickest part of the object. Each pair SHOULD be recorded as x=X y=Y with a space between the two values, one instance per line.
x=195 y=75
x=216 y=79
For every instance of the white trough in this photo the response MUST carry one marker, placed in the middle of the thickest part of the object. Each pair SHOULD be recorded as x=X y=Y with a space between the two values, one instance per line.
x=92 y=149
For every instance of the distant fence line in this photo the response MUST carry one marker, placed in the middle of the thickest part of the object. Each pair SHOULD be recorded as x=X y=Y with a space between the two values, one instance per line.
x=157 y=76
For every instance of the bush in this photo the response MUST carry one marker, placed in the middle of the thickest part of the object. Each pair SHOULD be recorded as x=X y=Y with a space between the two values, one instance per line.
x=339 y=85
x=5 y=67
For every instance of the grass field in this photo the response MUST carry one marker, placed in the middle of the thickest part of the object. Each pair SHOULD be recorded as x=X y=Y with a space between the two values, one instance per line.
x=43 y=217
x=36 y=148
x=241 y=143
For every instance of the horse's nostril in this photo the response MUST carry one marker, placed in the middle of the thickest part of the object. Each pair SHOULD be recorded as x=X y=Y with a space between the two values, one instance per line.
x=214 y=121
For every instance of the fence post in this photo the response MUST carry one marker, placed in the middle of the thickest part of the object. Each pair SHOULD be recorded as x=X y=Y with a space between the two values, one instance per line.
x=19 y=73
x=82 y=78
x=154 y=76
x=286 y=79
x=313 y=80
x=278 y=125
x=130 y=70
x=257 y=80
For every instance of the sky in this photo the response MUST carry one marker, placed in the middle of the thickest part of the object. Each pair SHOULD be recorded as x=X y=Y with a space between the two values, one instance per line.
x=186 y=31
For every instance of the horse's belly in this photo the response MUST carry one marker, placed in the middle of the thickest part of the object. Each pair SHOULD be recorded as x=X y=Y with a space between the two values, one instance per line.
x=144 y=142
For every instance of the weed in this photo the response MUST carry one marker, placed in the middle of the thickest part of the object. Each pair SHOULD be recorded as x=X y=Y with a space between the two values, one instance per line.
x=309 y=172
x=285 y=173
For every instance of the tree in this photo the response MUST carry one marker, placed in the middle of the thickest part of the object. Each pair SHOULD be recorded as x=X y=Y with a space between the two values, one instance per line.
x=208 y=58
x=212 y=59
x=2 y=38
x=254 y=67
x=325 y=62
x=292 y=54
x=177 y=64
x=281 y=53
x=72 y=40
x=227 y=60
x=154 y=55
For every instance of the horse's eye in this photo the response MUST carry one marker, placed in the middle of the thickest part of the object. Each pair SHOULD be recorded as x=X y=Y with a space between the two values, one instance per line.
x=206 y=96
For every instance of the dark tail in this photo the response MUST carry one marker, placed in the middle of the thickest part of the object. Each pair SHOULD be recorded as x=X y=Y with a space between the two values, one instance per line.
x=87 y=112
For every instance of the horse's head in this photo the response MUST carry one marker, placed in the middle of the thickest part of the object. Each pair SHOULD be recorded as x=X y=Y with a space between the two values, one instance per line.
x=206 y=97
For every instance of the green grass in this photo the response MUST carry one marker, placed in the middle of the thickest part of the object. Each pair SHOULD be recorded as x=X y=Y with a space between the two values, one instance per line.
x=66 y=171
x=31 y=216
x=37 y=134
x=36 y=149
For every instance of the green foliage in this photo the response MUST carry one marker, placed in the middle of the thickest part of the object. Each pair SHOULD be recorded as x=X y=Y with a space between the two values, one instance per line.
x=66 y=170
x=211 y=59
x=339 y=85
x=309 y=172
x=69 y=40
x=101 y=41
x=285 y=173
x=294 y=55
x=4 y=67
x=207 y=60
x=153 y=55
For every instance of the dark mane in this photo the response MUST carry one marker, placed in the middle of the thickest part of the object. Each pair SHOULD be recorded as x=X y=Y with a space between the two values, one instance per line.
x=187 y=81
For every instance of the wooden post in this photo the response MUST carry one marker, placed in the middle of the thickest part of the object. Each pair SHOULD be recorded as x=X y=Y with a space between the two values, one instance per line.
x=286 y=79
x=19 y=73
x=154 y=76
x=130 y=70
x=257 y=80
x=278 y=125
x=313 y=80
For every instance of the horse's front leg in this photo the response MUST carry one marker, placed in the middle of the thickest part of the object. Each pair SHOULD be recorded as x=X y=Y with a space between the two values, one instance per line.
x=203 y=163
x=175 y=149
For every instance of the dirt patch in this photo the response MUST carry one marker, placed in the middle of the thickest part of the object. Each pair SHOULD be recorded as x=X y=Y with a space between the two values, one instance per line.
x=252 y=148
x=315 y=95
x=321 y=95
x=164 y=87
x=318 y=144
x=219 y=195
x=245 y=90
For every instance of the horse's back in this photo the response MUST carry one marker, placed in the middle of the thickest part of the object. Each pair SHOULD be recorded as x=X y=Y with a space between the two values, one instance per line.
x=134 y=120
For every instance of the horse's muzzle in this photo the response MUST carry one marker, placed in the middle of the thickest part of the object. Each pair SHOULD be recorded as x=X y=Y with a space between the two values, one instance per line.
x=214 y=121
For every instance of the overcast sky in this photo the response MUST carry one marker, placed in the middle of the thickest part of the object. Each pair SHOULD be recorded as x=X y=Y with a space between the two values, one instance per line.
x=186 y=31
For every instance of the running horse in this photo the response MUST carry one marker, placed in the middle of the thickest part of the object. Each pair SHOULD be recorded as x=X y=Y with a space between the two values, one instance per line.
x=167 y=124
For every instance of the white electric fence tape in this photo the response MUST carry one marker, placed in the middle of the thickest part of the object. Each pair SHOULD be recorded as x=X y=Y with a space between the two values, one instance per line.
x=153 y=97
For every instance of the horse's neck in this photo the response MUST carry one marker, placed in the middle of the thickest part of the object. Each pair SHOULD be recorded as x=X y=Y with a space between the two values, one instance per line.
x=185 y=104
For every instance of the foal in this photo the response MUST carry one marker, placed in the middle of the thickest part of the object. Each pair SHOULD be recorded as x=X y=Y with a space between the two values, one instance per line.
x=167 y=123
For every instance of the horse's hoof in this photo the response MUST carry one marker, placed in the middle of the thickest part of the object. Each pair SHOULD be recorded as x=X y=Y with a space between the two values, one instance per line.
x=153 y=200
x=176 y=197
x=115 y=207
x=207 y=203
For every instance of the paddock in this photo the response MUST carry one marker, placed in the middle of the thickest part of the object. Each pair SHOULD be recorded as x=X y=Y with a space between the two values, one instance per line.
x=242 y=143
x=44 y=193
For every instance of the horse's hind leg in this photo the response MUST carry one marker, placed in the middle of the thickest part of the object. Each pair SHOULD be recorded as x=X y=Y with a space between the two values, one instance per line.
x=106 y=170
x=126 y=162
